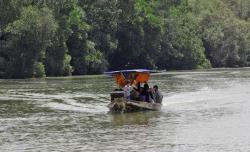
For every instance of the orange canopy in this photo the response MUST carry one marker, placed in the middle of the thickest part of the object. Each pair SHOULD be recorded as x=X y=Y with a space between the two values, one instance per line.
x=142 y=77
x=136 y=77
x=120 y=79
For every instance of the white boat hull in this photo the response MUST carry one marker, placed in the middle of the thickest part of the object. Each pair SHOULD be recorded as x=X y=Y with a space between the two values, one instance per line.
x=123 y=105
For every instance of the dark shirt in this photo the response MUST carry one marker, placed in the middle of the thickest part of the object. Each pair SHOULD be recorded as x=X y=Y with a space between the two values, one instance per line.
x=158 y=96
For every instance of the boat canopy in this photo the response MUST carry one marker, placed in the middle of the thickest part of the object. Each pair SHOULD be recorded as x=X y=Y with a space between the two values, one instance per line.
x=134 y=76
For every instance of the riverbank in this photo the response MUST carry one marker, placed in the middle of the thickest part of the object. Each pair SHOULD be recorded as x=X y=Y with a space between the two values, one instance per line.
x=155 y=72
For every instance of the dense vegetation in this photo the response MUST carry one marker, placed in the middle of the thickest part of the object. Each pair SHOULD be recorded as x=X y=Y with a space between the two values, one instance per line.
x=58 y=38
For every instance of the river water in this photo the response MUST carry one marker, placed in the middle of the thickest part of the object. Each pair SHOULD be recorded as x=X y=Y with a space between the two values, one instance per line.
x=203 y=111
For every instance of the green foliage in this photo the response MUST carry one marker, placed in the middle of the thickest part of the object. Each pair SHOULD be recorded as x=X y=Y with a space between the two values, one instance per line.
x=94 y=59
x=77 y=17
x=145 y=7
x=187 y=40
x=68 y=69
x=39 y=70
x=29 y=36
x=58 y=38
x=225 y=36
x=57 y=60
x=240 y=8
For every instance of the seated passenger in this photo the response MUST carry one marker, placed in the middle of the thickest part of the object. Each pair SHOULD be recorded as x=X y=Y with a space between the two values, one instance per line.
x=147 y=93
x=135 y=93
x=141 y=96
x=157 y=95
x=151 y=96
x=137 y=87
x=127 y=90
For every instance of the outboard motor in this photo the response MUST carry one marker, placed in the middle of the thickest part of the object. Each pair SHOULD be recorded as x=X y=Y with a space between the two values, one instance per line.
x=117 y=93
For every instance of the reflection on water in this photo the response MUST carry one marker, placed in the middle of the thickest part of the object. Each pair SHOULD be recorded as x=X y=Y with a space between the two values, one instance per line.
x=137 y=118
x=202 y=111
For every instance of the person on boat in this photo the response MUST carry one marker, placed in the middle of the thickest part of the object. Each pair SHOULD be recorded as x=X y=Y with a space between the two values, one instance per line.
x=157 y=95
x=147 y=93
x=137 y=90
x=137 y=86
x=151 y=95
x=141 y=95
x=127 y=90
x=135 y=94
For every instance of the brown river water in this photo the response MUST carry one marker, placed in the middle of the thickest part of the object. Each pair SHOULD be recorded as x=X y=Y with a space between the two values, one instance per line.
x=203 y=111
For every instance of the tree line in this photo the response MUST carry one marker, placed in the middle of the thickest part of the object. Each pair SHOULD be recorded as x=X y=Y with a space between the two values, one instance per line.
x=59 y=38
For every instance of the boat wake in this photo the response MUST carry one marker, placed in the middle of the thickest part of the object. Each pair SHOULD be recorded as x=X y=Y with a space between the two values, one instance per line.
x=74 y=102
x=206 y=96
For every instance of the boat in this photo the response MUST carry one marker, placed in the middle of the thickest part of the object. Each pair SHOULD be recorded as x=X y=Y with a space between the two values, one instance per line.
x=119 y=103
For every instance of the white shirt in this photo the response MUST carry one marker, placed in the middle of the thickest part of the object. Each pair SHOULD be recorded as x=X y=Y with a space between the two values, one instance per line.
x=127 y=90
